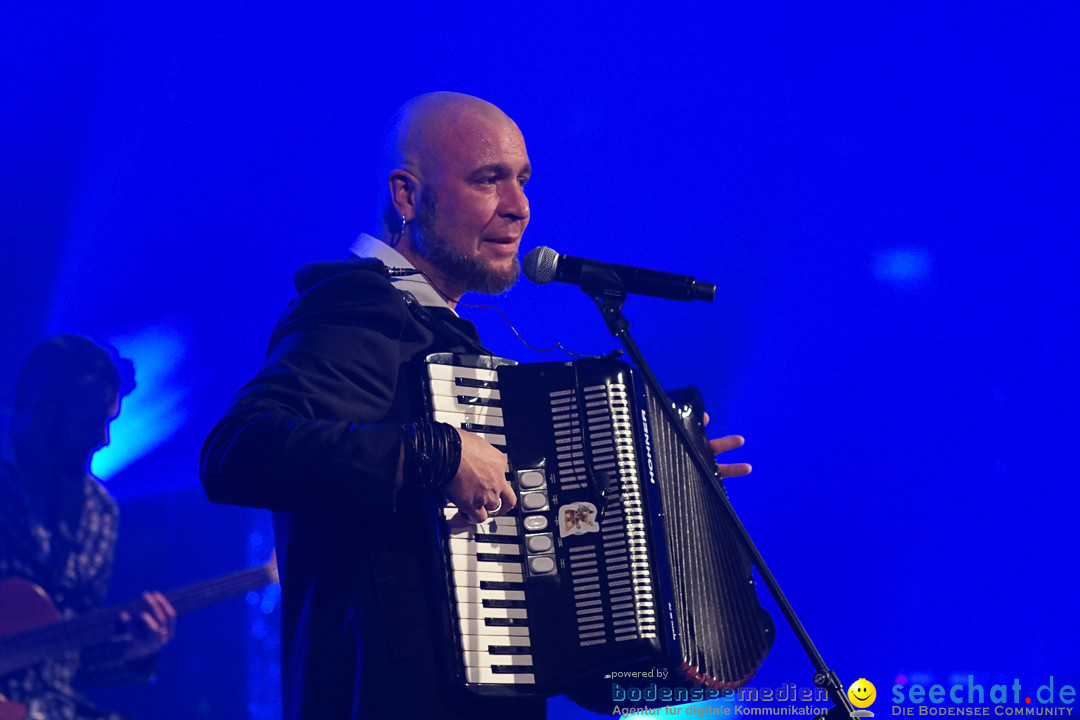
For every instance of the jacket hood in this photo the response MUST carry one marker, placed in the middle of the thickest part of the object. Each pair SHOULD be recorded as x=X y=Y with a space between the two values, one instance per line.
x=313 y=273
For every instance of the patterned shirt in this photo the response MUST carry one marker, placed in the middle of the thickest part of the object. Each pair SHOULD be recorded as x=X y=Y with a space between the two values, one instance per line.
x=71 y=562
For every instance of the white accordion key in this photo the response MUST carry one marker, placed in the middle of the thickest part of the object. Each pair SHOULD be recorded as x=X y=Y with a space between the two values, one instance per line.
x=465 y=593
x=491 y=641
x=438 y=371
x=466 y=578
x=470 y=563
x=487 y=659
x=502 y=525
x=453 y=388
x=468 y=546
x=478 y=415
x=486 y=676
x=477 y=626
x=464 y=404
x=497 y=440
x=476 y=610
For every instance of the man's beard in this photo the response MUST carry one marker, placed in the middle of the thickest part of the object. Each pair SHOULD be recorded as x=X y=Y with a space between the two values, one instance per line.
x=470 y=273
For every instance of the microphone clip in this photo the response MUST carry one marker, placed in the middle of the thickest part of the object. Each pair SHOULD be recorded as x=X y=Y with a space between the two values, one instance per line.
x=402 y=272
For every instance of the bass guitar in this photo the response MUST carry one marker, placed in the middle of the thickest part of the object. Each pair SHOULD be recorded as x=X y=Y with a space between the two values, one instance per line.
x=32 y=629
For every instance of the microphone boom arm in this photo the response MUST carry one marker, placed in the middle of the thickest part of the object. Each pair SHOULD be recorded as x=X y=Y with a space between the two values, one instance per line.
x=610 y=301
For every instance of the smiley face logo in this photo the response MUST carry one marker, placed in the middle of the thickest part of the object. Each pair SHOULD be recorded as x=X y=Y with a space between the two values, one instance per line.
x=862 y=693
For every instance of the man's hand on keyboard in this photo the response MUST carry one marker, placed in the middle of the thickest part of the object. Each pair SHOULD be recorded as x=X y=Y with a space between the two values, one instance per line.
x=480 y=488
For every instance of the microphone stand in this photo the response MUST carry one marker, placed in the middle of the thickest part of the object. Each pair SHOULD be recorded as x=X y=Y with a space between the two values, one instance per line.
x=606 y=290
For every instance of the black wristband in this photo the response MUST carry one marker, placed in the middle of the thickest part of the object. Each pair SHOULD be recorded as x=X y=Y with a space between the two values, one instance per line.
x=432 y=454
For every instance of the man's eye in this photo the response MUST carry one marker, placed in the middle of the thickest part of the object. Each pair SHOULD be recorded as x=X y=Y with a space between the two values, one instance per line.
x=522 y=181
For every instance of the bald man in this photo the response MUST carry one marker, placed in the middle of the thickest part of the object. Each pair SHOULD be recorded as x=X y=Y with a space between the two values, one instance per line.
x=327 y=433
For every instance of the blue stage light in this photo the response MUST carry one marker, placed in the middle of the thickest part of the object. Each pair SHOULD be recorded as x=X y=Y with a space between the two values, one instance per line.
x=156 y=409
x=902 y=266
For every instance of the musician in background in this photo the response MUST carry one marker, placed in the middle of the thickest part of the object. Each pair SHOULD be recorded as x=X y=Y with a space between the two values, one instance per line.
x=58 y=525
x=326 y=433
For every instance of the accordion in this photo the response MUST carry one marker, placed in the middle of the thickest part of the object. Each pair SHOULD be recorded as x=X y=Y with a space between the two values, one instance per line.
x=618 y=554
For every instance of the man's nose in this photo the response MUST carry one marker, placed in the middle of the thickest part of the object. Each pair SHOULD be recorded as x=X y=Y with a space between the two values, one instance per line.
x=514 y=204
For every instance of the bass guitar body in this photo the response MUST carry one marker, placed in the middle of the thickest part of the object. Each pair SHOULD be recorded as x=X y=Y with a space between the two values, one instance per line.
x=25 y=607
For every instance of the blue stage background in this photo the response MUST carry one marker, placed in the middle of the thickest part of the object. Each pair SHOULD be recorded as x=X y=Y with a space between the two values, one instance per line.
x=885 y=197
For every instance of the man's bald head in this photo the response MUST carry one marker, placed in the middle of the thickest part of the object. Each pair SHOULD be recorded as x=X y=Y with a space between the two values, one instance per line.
x=423 y=131
x=424 y=125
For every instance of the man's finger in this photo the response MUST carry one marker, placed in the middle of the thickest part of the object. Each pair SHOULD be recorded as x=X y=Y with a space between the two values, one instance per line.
x=734 y=470
x=508 y=499
x=151 y=622
x=730 y=442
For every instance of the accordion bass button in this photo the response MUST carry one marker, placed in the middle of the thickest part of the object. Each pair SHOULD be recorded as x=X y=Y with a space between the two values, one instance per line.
x=542 y=565
x=533 y=501
x=536 y=522
x=539 y=543
x=530 y=479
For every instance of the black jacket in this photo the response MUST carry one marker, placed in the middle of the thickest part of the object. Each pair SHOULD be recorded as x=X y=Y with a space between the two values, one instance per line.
x=315 y=437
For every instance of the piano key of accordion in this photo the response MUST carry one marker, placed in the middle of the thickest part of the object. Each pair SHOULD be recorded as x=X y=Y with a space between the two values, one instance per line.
x=472 y=546
x=487 y=659
x=473 y=563
x=451 y=388
x=483 y=612
x=458 y=373
x=452 y=407
x=495 y=643
x=488 y=580
x=467 y=593
x=472 y=421
x=472 y=626
x=503 y=525
x=489 y=676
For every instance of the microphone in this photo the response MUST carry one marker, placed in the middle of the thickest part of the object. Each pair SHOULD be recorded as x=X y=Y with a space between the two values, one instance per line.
x=542 y=265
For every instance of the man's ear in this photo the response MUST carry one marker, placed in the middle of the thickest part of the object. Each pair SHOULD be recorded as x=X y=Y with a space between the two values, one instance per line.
x=403 y=188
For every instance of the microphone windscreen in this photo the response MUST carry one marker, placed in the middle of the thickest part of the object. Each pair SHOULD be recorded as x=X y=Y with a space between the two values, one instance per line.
x=539 y=264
